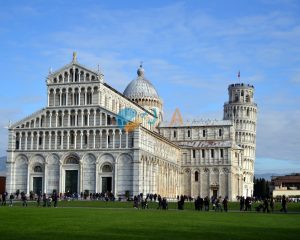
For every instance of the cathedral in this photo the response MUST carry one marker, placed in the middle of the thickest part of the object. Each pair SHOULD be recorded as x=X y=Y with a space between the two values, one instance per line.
x=91 y=137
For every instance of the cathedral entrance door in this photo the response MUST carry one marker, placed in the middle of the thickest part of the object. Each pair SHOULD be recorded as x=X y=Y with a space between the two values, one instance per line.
x=37 y=184
x=215 y=193
x=71 y=184
x=106 y=184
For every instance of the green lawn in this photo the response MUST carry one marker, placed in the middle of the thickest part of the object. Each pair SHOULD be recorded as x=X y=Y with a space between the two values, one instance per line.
x=91 y=221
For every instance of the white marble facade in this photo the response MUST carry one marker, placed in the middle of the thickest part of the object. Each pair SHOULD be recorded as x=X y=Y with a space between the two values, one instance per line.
x=79 y=142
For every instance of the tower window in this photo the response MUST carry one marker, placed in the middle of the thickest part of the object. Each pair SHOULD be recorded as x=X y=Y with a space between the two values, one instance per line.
x=40 y=141
x=196 y=176
x=236 y=98
x=189 y=133
x=203 y=133
x=221 y=153
x=220 y=132
x=174 y=134
x=212 y=153
x=194 y=153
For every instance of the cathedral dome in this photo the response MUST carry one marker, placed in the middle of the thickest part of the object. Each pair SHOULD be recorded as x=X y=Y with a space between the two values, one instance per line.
x=140 y=87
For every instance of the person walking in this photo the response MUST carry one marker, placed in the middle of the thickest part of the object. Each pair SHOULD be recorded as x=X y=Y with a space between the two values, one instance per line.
x=272 y=204
x=11 y=197
x=225 y=204
x=283 y=204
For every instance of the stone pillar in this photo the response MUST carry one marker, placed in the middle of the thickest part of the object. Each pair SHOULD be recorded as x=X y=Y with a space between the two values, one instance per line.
x=28 y=178
x=37 y=141
x=81 y=135
x=79 y=93
x=67 y=97
x=68 y=140
x=44 y=139
x=60 y=187
x=88 y=140
x=45 y=177
x=26 y=140
x=31 y=143
x=113 y=136
x=88 y=119
x=100 y=138
x=55 y=141
x=95 y=118
x=120 y=135
x=50 y=135
x=75 y=140
x=94 y=143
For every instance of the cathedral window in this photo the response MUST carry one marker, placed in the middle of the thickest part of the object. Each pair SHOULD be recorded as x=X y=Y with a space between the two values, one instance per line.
x=221 y=153
x=248 y=112
x=203 y=153
x=108 y=120
x=174 y=134
x=106 y=168
x=85 y=139
x=108 y=139
x=37 y=169
x=59 y=140
x=63 y=103
x=189 y=133
x=76 y=98
x=194 y=153
x=60 y=121
x=72 y=138
x=196 y=176
x=17 y=144
x=203 y=133
x=89 y=98
x=40 y=141
x=72 y=120
x=85 y=120
x=212 y=153
x=220 y=132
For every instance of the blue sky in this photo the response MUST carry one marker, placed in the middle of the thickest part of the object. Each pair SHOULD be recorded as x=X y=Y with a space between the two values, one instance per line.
x=192 y=50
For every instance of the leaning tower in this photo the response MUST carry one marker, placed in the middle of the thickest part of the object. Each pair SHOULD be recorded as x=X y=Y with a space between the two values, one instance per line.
x=242 y=110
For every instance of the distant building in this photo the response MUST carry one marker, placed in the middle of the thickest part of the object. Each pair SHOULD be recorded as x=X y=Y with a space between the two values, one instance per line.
x=288 y=185
x=92 y=137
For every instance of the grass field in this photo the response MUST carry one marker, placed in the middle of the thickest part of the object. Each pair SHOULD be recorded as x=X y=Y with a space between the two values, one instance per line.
x=90 y=220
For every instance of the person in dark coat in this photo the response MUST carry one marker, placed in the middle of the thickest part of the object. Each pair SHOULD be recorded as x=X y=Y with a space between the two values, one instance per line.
x=283 y=204
x=206 y=203
x=164 y=204
x=44 y=200
x=242 y=203
x=181 y=203
x=201 y=202
x=4 y=194
x=197 y=204
x=54 y=198
x=225 y=204
x=272 y=204
x=266 y=205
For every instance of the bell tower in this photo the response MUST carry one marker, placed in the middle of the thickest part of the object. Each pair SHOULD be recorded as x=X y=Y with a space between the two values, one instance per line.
x=242 y=110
